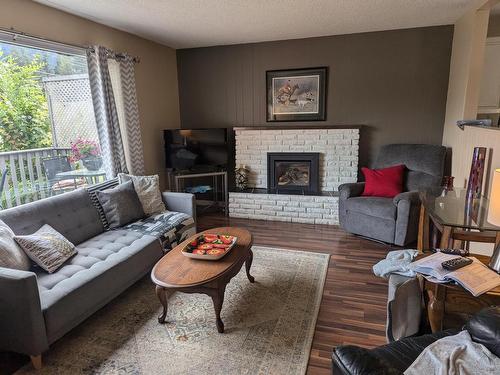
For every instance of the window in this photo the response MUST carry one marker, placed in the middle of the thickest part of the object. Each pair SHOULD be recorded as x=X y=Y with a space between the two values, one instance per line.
x=48 y=134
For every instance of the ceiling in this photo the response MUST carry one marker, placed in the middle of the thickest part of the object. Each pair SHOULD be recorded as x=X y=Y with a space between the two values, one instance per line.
x=200 y=23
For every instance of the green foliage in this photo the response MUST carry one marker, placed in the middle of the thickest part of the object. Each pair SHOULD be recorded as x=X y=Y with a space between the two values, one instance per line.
x=24 y=115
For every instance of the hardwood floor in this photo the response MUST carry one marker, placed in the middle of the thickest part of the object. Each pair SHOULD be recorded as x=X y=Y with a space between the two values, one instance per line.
x=353 y=308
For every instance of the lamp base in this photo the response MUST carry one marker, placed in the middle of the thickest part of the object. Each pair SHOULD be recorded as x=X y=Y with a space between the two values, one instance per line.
x=495 y=260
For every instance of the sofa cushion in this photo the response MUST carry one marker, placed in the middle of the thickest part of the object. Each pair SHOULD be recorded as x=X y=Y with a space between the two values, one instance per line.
x=121 y=205
x=11 y=255
x=72 y=214
x=372 y=206
x=48 y=248
x=148 y=191
x=103 y=268
x=385 y=182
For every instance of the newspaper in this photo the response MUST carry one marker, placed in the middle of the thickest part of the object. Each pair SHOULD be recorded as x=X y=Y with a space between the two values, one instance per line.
x=475 y=277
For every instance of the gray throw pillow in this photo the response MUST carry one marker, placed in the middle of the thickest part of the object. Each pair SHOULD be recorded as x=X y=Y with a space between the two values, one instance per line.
x=11 y=255
x=47 y=247
x=121 y=205
x=148 y=191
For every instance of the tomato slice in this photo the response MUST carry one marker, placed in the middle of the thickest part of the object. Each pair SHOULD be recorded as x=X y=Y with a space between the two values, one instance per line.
x=205 y=246
x=220 y=246
x=199 y=251
x=210 y=237
x=215 y=252
x=227 y=239
x=194 y=243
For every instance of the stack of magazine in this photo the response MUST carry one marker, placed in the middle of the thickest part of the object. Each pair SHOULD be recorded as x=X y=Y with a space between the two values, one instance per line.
x=475 y=277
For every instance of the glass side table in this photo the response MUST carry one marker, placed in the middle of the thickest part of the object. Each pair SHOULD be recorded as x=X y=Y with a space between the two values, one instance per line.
x=456 y=218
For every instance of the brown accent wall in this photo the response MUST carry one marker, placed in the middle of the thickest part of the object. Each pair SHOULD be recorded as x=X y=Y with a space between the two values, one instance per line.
x=393 y=82
x=156 y=74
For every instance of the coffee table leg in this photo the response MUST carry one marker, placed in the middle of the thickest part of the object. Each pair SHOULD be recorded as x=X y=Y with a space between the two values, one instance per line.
x=161 y=293
x=218 y=300
x=248 y=264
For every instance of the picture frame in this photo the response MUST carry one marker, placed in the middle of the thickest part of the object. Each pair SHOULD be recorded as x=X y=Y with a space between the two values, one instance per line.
x=296 y=94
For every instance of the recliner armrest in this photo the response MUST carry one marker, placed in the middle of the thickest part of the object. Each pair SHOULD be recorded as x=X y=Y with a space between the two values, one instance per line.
x=354 y=189
x=484 y=328
x=351 y=359
x=22 y=325
x=410 y=196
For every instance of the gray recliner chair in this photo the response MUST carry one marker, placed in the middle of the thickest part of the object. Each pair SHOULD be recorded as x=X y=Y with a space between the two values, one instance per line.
x=393 y=220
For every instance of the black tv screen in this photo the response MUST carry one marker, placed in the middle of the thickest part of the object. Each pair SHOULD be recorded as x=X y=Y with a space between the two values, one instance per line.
x=197 y=149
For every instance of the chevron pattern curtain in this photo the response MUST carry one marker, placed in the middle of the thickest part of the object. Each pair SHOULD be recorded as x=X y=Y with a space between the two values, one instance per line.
x=132 y=124
x=108 y=127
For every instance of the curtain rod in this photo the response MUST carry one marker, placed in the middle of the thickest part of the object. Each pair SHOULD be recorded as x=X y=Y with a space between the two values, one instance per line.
x=15 y=33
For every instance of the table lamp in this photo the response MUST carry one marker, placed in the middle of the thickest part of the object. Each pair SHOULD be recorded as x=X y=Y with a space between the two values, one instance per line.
x=494 y=217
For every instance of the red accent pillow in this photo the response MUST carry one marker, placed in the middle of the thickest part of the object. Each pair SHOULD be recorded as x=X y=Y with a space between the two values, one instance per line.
x=386 y=182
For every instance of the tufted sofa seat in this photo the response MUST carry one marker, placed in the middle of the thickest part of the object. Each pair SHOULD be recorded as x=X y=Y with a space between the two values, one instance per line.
x=37 y=308
x=68 y=295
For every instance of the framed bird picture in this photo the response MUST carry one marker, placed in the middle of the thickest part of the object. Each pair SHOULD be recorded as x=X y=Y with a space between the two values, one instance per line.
x=296 y=95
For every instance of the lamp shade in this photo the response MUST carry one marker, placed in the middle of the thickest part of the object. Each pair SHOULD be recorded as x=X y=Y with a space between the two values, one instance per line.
x=494 y=208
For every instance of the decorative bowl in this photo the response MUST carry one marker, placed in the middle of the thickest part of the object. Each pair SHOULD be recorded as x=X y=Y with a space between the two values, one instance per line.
x=209 y=246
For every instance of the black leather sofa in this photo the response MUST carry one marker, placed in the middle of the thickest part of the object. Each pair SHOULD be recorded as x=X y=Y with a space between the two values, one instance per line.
x=396 y=357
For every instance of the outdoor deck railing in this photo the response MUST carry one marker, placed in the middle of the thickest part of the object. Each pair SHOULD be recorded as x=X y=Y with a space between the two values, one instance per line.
x=26 y=180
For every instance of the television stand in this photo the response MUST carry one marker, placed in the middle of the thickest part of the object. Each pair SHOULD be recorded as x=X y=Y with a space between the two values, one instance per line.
x=216 y=176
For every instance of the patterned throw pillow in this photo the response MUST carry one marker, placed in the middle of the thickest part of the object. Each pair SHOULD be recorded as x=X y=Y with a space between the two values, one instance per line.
x=11 y=255
x=148 y=190
x=47 y=247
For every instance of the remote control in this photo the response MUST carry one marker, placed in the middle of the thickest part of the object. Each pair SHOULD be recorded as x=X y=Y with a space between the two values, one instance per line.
x=455 y=264
x=460 y=252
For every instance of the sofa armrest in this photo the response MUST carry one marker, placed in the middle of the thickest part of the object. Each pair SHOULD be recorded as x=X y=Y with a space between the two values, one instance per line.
x=350 y=360
x=410 y=196
x=180 y=202
x=22 y=324
x=354 y=189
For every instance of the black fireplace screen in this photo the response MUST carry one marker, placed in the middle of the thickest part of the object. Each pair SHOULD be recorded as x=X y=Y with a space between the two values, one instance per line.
x=293 y=171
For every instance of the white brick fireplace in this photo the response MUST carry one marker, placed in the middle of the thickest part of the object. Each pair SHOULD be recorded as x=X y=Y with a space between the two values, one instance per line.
x=338 y=149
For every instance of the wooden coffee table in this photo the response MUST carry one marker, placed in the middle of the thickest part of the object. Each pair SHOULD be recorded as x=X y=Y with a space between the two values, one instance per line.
x=176 y=272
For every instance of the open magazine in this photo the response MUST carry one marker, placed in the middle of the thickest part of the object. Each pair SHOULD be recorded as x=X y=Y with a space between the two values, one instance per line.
x=476 y=277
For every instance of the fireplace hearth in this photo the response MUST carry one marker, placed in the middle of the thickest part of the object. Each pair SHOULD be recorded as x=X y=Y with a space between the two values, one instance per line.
x=293 y=172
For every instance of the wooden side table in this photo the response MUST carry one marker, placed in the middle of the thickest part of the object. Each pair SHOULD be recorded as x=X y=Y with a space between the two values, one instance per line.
x=450 y=305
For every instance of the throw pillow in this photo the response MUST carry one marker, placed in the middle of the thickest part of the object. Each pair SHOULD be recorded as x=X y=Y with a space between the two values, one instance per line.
x=148 y=190
x=386 y=182
x=11 y=255
x=121 y=205
x=47 y=247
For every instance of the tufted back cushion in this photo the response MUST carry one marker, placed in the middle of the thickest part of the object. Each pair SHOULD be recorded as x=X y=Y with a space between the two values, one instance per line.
x=71 y=214
x=424 y=163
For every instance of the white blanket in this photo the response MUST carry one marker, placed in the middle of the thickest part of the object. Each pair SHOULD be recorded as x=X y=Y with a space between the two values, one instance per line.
x=455 y=355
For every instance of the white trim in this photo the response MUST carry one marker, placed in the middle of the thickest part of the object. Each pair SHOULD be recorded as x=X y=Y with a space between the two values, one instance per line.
x=493 y=40
x=21 y=39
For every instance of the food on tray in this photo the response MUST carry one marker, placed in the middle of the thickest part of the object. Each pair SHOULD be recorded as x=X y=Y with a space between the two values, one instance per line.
x=210 y=244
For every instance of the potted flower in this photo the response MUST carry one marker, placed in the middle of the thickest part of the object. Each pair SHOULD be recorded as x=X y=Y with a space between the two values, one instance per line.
x=88 y=152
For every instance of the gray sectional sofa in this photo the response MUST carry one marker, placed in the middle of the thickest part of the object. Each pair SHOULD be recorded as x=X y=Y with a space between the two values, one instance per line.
x=38 y=308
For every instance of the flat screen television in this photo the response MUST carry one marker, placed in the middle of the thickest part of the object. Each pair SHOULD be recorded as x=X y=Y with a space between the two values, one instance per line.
x=199 y=150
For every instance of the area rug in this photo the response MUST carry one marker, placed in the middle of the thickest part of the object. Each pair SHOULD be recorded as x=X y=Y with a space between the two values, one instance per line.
x=269 y=326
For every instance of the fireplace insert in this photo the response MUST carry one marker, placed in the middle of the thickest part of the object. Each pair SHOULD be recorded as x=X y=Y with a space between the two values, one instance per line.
x=293 y=172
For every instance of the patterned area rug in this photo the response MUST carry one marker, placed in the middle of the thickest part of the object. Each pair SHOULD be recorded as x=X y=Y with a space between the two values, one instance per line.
x=269 y=326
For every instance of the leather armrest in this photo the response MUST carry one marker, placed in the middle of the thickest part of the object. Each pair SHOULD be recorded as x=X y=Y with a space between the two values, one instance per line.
x=350 y=359
x=484 y=328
